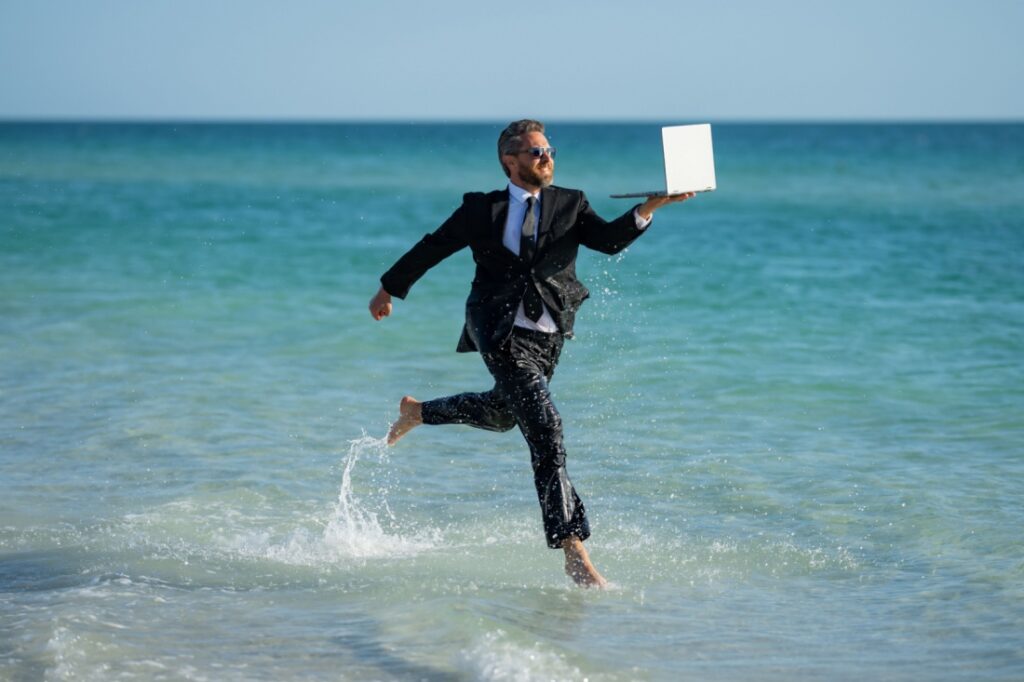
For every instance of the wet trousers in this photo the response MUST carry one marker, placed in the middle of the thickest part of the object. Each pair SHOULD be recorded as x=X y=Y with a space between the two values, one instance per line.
x=520 y=397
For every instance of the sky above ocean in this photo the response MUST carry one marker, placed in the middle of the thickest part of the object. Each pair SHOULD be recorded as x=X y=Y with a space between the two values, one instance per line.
x=458 y=60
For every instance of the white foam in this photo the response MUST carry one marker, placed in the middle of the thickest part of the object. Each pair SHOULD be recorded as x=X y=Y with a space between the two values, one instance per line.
x=495 y=658
x=62 y=647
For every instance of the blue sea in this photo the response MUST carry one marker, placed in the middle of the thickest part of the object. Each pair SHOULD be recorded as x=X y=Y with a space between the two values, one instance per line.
x=794 y=409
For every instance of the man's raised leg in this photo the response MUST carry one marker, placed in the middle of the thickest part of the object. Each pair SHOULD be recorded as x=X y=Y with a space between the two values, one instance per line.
x=484 y=410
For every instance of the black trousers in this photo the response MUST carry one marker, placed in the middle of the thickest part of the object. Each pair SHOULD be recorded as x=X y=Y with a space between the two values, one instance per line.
x=520 y=397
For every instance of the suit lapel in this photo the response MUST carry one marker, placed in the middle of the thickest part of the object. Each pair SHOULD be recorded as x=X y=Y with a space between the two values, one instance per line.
x=499 y=214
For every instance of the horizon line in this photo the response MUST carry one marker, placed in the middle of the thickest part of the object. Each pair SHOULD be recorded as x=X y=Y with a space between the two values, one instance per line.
x=254 y=120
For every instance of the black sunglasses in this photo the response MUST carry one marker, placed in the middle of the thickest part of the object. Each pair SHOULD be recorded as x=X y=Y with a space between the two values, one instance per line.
x=537 y=152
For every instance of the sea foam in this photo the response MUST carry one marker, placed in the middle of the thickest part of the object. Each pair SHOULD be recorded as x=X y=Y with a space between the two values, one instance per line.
x=494 y=657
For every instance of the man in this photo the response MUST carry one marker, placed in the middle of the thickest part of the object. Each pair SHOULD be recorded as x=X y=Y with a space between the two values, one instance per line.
x=521 y=306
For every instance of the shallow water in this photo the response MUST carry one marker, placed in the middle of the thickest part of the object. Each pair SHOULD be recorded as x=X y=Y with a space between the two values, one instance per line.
x=794 y=410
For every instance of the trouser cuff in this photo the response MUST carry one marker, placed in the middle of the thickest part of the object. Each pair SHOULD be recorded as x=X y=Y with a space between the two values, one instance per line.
x=579 y=526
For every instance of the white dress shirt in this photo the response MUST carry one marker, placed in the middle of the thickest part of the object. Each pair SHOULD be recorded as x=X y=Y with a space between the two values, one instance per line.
x=513 y=234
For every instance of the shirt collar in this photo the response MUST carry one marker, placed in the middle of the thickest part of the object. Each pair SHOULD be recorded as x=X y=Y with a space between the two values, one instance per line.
x=520 y=195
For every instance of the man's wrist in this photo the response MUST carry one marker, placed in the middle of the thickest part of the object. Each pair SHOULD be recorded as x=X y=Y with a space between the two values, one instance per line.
x=642 y=221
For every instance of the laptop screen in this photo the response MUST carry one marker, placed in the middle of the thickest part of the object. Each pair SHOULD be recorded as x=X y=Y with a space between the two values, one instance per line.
x=689 y=158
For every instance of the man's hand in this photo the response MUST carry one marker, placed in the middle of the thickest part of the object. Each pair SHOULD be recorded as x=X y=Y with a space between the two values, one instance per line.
x=647 y=209
x=380 y=304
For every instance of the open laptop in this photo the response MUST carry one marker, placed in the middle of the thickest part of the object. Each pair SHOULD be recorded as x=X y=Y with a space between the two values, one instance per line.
x=689 y=161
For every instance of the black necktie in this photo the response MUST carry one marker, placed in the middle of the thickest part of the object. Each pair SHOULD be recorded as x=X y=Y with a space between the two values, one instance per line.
x=527 y=243
x=532 y=305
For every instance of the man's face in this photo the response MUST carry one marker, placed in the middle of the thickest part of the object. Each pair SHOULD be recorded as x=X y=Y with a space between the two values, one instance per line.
x=528 y=171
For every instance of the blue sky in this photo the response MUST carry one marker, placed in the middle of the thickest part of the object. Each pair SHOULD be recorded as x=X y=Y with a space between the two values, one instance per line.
x=465 y=60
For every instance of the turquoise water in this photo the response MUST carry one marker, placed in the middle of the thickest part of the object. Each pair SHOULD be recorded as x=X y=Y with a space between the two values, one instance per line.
x=795 y=410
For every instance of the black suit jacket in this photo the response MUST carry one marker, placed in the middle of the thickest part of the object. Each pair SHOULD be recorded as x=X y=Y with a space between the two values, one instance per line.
x=566 y=222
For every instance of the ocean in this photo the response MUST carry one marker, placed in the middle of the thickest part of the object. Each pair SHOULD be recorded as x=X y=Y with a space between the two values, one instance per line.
x=794 y=409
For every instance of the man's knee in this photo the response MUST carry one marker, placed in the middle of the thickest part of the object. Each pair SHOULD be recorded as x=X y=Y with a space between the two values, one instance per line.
x=504 y=423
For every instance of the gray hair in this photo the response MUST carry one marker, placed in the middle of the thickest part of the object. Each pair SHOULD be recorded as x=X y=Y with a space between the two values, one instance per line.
x=511 y=138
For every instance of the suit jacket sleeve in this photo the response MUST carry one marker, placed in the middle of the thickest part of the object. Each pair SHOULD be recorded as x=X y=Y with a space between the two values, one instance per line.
x=606 y=236
x=428 y=252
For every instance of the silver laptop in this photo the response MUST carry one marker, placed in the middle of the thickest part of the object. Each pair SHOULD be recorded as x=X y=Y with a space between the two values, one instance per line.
x=689 y=161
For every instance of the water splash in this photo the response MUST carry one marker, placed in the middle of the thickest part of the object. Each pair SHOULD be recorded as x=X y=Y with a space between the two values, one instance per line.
x=354 y=528
x=360 y=525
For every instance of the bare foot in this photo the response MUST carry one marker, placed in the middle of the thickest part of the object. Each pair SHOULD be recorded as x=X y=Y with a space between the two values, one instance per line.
x=578 y=566
x=409 y=416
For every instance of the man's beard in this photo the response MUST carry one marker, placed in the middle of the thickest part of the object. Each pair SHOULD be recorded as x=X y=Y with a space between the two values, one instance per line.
x=541 y=177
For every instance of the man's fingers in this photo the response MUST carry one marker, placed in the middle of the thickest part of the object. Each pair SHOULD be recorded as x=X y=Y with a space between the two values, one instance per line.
x=380 y=305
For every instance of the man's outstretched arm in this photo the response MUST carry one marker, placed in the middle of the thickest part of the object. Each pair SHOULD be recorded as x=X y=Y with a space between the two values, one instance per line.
x=428 y=252
x=612 y=237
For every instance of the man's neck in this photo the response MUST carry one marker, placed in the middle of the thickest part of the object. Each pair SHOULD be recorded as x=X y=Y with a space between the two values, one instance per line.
x=530 y=189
